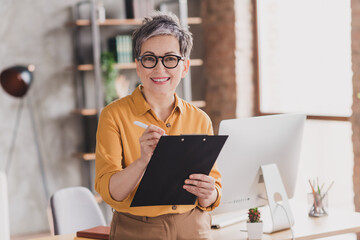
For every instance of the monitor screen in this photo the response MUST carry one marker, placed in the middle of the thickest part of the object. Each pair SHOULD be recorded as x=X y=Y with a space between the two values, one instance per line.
x=253 y=142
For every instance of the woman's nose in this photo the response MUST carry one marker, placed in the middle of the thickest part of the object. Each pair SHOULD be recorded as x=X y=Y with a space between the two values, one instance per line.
x=160 y=66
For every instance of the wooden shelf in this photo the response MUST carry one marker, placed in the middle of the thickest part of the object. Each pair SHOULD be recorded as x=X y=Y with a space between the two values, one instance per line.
x=85 y=112
x=90 y=67
x=85 y=156
x=122 y=22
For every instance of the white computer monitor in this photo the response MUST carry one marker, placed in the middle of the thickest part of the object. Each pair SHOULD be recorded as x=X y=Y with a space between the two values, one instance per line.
x=254 y=142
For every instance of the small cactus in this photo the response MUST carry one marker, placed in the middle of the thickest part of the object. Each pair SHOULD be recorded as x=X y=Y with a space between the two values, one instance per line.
x=254 y=215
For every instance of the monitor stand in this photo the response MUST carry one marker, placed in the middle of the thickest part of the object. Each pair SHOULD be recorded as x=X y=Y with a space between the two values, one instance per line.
x=280 y=211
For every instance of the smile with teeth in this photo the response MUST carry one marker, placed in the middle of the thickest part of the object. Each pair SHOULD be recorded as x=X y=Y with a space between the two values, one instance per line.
x=160 y=79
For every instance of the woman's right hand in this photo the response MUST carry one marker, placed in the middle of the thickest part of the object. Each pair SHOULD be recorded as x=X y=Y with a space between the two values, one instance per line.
x=148 y=142
x=132 y=174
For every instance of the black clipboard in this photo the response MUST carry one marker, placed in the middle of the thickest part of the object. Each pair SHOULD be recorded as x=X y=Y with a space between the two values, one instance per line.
x=173 y=160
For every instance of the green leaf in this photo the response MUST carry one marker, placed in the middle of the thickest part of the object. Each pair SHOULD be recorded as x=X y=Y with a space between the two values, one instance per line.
x=109 y=75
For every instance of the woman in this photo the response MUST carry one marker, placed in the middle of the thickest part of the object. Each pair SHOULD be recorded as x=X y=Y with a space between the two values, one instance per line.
x=161 y=48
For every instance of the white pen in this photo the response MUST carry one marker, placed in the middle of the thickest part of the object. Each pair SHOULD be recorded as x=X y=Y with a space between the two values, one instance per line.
x=140 y=124
x=143 y=125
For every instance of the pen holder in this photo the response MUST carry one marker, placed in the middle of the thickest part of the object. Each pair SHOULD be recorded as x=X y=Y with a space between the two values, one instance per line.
x=318 y=204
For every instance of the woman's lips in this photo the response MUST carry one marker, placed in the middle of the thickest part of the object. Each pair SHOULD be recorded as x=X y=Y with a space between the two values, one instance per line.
x=160 y=80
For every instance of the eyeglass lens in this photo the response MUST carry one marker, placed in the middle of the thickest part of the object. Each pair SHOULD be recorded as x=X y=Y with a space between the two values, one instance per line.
x=150 y=61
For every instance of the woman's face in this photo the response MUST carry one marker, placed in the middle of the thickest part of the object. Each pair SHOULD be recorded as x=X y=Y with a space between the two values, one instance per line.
x=161 y=80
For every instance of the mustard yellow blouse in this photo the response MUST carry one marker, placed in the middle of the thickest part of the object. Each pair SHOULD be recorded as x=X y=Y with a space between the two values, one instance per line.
x=118 y=145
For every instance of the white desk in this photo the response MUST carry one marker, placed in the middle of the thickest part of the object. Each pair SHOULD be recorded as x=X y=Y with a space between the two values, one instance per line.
x=337 y=222
x=305 y=228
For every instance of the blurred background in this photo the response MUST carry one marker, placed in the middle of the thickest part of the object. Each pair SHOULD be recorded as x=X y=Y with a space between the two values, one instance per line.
x=250 y=58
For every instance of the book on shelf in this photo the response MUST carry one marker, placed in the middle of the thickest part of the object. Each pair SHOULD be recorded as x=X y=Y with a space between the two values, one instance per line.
x=98 y=232
x=129 y=9
x=121 y=47
x=138 y=9
x=142 y=8
x=170 y=7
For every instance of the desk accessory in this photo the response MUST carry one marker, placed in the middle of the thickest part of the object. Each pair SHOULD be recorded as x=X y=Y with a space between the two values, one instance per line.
x=254 y=224
x=174 y=159
x=98 y=232
x=318 y=199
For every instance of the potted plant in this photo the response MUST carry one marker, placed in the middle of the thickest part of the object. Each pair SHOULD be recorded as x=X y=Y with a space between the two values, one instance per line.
x=254 y=224
x=109 y=75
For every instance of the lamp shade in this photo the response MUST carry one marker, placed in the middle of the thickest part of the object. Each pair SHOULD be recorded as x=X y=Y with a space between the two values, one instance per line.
x=16 y=80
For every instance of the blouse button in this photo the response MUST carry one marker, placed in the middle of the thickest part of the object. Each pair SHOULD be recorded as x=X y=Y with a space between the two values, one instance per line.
x=168 y=125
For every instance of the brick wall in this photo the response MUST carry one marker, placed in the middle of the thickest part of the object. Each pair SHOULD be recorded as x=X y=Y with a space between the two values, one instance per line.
x=355 y=118
x=228 y=61
x=219 y=60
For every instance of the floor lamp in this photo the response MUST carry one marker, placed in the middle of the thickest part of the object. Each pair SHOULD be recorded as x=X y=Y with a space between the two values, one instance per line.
x=16 y=81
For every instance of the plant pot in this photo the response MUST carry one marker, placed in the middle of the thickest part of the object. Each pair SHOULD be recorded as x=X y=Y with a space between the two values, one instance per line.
x=255 y=230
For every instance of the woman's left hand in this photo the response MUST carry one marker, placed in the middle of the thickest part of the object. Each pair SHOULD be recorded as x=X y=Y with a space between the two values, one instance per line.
x=202 y=186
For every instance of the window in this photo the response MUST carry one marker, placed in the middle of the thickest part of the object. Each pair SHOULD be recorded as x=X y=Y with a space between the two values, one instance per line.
x=304 y=65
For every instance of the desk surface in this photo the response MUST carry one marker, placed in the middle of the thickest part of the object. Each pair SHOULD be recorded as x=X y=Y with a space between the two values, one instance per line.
x=305 y=228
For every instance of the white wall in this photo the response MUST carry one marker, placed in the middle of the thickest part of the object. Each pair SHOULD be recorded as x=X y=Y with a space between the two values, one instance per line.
x=244 y=58
x=33 y=32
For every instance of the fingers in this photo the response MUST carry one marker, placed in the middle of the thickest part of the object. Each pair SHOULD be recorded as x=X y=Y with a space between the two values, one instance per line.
x=197 y=191
x=149 y=140
x=202 y=177
x=200 y=185
x=205 y=183
x=153 y=128
x=150 y=136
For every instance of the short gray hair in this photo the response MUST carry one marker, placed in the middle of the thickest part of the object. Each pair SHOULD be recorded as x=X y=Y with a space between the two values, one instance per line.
x=158 y=24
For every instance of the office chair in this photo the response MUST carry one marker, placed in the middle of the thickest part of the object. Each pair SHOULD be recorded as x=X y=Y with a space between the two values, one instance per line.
x=75 y=209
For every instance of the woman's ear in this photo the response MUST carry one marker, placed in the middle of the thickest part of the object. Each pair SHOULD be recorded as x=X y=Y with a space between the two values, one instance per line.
x=186 y=66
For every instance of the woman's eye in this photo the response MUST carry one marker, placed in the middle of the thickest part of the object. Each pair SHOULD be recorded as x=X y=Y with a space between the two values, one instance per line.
x=149 y=59
x=170 y=59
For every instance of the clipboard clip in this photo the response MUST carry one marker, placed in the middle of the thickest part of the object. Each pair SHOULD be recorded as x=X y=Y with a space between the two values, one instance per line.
x=183 y=139
x=198 y=135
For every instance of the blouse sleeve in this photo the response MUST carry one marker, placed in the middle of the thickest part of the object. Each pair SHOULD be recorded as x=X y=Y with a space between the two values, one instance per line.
x=108 y=154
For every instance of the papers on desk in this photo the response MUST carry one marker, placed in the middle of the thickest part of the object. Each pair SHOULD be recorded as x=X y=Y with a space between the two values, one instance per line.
x=227 y=219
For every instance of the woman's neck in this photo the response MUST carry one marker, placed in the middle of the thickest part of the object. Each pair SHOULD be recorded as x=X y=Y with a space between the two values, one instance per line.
x=162 y=105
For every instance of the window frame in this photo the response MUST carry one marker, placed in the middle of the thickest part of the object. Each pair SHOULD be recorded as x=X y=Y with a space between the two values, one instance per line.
x=257 y=93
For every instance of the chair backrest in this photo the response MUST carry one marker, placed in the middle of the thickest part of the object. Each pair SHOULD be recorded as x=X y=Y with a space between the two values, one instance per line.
x=75 y=209
x=4 y=209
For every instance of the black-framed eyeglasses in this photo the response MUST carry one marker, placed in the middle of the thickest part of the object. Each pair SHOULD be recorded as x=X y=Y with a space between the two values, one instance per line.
x=169 y=61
